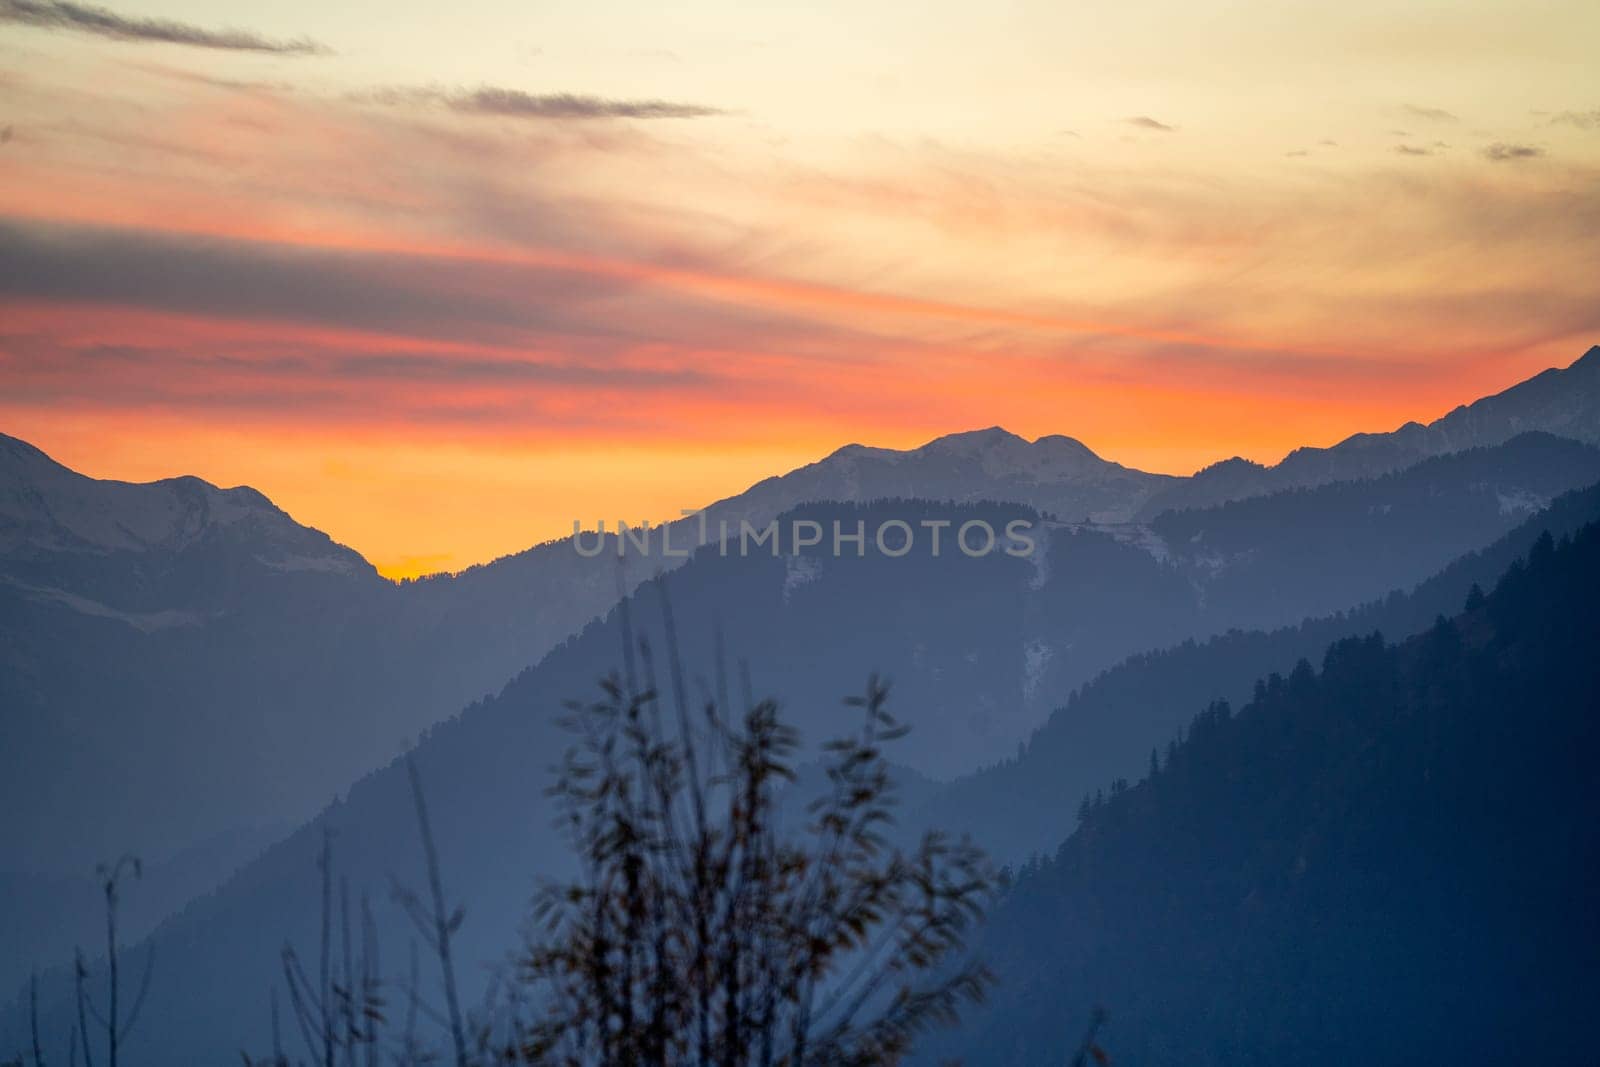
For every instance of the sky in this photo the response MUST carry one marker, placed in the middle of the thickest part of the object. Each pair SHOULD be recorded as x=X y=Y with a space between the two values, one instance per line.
x=440 y=282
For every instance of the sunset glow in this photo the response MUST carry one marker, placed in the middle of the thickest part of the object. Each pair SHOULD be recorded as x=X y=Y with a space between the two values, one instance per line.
x=439 y=291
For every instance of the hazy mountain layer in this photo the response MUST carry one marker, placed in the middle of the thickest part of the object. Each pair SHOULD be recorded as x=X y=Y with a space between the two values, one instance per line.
x=961 y=638
x=139 y=623
x=1108 y=728
x=1390 y=861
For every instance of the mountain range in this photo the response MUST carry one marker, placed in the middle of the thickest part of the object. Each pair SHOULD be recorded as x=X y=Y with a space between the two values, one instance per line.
x=1108 y=728
x=1387 y=859
x=204 y=612
x=180 y=661
x=221 y=635
x=954 y=634
x=1556 y=401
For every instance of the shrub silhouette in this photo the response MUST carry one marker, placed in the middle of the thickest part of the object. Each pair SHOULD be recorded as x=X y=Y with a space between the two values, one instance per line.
x=705 y=926
x=701 y=931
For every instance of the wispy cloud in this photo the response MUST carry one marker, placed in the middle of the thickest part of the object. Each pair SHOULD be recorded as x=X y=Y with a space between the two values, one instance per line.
x=1145 y=122
x=102 y=22
x=517 y=104
x=1583 y=120
x=1432 y=114
x=1501 y=152
x=1413 y=150
x=514 y=103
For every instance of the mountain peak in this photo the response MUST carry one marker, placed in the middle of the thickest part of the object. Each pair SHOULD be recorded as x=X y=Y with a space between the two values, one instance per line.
x=1063 y=445
x=971 y=440
x=1231 y=466
x=1055 y=474
x=47 y=506
x=20 y=459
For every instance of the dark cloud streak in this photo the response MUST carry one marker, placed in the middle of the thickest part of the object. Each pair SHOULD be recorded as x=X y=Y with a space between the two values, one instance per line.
x=1145 y=122
x=424 y=298
x=43 y=358
x=102 y=22
x=447 y=299
x=516 y=104
x=1500 y=152
x=1583 y=120
x=1432 y=114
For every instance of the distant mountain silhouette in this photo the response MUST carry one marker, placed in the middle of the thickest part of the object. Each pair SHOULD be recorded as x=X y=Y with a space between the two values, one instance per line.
x=1055 y=474
x=543 y=594
x=1391 y=860
x=1561 y=402
x=48 y=510
x=178 y=660
x=1366 y=536
x=1109 y=726
x=46 y=912
x=151 y=617
x=210 y=614
x=964 y=641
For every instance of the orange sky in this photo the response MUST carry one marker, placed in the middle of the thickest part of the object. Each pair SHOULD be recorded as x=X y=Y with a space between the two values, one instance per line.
x=441 y=329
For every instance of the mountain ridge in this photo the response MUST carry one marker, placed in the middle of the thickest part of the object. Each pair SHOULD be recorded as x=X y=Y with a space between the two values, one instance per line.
x=1562 y=401
x=1388 y=860
x=47 y=506
x=960 y=637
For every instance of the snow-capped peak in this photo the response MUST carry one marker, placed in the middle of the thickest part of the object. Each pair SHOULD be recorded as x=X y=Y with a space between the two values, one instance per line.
x=46 y=506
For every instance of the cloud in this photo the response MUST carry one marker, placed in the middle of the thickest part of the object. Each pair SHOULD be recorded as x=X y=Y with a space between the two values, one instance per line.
x=1583 y=120
x=86 y=18
x=514 y=103
x=517 y=104
x=1432 y=114
x=212 y=81
x=1500 y=152
x=418 y=296
x=1145 y=122
x=1412 y=150
x=456 y=233
x=320 y=358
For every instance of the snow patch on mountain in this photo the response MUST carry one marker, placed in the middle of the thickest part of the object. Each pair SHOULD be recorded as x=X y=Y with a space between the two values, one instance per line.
x=144 y=622
x=1036 y=656
x=1520 y=502
x=798 y=571
x=48 y=508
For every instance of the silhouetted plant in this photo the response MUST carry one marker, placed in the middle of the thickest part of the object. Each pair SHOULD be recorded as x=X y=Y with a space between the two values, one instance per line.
x=111 y=1022
x=700 y=929
x=700 y=932
x=434 y=920
x=339 y=1013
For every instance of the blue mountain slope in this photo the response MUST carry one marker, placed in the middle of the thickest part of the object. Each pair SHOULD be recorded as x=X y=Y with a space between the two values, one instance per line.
x=1390 y=860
